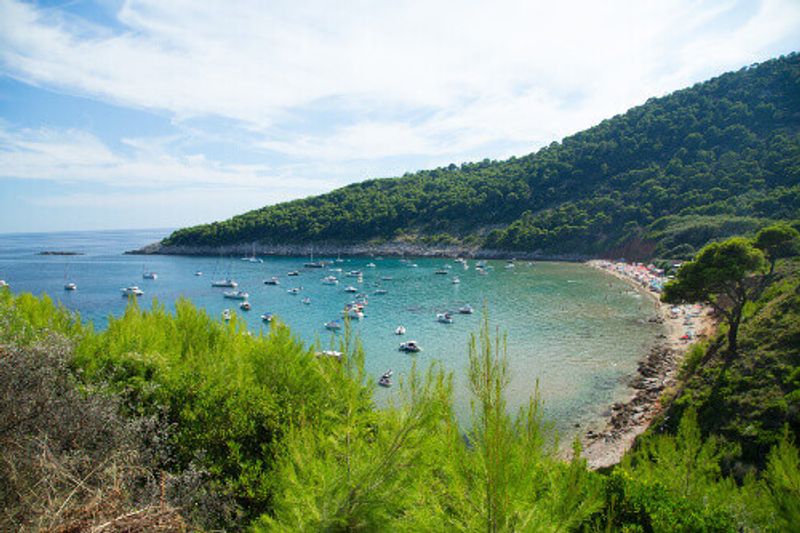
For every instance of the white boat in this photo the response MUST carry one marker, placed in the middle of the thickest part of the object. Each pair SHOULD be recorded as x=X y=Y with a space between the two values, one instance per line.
x=355 y=274
x=401 y=330
x=149 y=275
x=444 y=318
x=333 y=325
x=272 y=281
x=329 y=353
x=350 y=288
x=266 y=317
x=198 y=273
x=294 y=291
x=3 y=283
x=355 y=313
x=410 y=346
x=133 y=290
x=227 y=282
x=466 y=309
x=293 y=273
x=371 y=265
x=385 y=381
x=71 y=286
x=381 y=291
x=226 y=315
x=329 y=280
x=245 y=306
x=387 y=278
x=334 y=270
x=456 y=281
x=307 y=300
x=235 y=295
x=252 y=258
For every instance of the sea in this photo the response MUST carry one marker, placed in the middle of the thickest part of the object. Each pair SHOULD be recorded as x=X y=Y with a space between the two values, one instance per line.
x=572 y=331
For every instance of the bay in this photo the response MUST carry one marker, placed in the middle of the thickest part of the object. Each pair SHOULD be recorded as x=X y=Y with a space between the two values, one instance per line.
x=575 y=330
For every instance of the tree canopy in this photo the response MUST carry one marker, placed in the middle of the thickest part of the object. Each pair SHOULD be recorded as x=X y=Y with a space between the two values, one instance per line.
x=717 y=159
x=778 y=242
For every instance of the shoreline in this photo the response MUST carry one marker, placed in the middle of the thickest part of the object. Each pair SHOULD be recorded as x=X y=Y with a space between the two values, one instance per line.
x=605 y=444
x=326 y=250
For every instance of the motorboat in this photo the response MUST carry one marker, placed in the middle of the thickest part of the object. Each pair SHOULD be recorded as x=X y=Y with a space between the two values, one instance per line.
x=354 y=312
x=226 y=315
x=387 y=278
x=235 y=295
x=371 y=265
x=333 y=325
x=387 y=374
x=227 y=282
x=272 y=281
x=466 y=309
x=413 y=265
x=293 y=273
x=307 y=301
x=350 y=288
x=385 y=381
x=410 y=346
x=444 y=318
x=266 y=317
x=133 y=290
x=245 y=306
x=71 y=286
x=198 y=273
x=294 y=291
x=441 y=272
x=149 y=275
x=355 y=274
x=381 y=291
x=330 y=280
x=400 y=330
x=456 y=281
x=314 y=264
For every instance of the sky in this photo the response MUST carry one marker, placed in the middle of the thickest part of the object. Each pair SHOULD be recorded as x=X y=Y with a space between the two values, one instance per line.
x=160 y=113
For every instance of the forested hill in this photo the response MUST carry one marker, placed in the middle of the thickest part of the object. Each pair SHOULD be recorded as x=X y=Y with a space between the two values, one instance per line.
x=717 y=159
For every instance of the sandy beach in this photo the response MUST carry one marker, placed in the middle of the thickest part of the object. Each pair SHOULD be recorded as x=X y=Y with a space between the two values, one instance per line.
x=605 y=444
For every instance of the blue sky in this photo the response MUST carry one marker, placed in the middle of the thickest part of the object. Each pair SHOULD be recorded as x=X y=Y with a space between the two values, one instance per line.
x=156 y=113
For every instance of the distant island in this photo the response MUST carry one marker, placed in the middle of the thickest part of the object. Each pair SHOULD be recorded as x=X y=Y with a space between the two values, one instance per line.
x=717 y=159
x=57 y=252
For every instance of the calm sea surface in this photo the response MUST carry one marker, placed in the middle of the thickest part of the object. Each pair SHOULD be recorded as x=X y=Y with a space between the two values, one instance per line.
x=576 y=330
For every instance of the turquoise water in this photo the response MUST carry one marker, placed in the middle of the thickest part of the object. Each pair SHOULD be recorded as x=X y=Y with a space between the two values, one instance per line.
x=578 y=331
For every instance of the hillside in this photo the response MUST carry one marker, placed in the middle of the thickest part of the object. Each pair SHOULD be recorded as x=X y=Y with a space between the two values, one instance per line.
x=717 y=159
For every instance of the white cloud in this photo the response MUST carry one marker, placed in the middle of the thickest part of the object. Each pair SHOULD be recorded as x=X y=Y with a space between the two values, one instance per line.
x=478 y=72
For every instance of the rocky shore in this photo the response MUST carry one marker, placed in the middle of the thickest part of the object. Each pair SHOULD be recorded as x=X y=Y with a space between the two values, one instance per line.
x=605 y=445
x=323 y=250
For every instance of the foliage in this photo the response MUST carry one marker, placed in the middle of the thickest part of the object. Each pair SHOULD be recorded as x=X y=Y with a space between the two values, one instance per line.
x=778 y=242
x=718 y=159
x=723 y=275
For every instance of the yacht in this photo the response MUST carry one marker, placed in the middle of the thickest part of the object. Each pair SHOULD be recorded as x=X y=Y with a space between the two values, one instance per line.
x=401 y=330
x=133 y=290
x=235 y=295
x=333 y=325
x=227 y=282
x=350 y=288
x=444 y=318
x=466 y=309
x=272 y=281
x=70 y=286
x=330 y=280
x=410 y=346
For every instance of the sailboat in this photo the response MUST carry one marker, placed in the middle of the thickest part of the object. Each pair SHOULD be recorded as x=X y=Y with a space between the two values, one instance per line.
x=253 y=258
x=69 y=285
x=314 y=264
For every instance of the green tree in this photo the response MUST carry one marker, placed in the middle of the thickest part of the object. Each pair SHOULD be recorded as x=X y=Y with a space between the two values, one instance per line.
x=778 y=242
x=722 y=274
